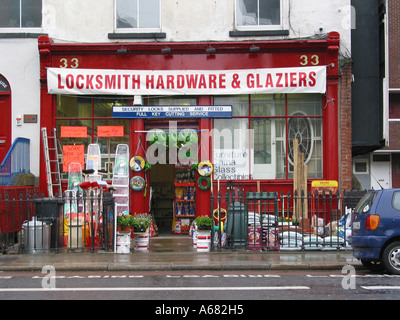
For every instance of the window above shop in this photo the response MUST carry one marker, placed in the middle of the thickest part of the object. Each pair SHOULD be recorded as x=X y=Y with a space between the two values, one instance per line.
x=259 y=18
x=259 y=14
x=20 y=14
x=137 y=15
x=137 y=19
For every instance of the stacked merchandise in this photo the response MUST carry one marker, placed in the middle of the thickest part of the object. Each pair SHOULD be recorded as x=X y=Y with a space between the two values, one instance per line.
x=289 y=235
x=344 y=229
x=291 y=240
x=271 y=233
x=253 y=218
x=254 y=234
x=333 y=243
x=312 y=242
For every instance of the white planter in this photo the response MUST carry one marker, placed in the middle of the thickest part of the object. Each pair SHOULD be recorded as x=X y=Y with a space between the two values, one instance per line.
x=123 y=242
x=141 y=241
x=203 y=240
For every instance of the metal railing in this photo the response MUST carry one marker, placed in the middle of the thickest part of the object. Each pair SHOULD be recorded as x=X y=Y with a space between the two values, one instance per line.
x=82 y=221
x=268 y=221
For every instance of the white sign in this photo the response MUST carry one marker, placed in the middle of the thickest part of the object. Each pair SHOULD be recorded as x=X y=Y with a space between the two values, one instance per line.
x=145 y=112
x=186 y=82
x=233 y=164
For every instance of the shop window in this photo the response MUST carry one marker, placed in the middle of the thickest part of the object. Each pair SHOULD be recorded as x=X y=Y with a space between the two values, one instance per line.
x=21 y=13
x=137 y=14
x=232 y=155
x=172 y=101
x=258 y=13
x=91 y=113
x=265 y=128
x=381 y=158
x=360 y=166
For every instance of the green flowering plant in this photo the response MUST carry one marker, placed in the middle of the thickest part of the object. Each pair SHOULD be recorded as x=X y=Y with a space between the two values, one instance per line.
x=123 y=220
x=204 y=222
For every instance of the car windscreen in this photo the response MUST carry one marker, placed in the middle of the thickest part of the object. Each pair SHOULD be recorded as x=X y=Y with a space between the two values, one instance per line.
x=365 y=203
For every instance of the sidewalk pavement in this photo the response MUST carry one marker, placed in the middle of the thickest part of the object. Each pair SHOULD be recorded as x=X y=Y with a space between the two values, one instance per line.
x=176 y=253
x=181 y=261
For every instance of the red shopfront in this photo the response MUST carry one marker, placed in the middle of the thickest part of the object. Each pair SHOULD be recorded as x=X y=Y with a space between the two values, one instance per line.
x=77 y=67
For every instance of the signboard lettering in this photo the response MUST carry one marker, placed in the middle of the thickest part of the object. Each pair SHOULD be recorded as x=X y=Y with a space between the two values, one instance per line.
x=73 y=153
x=73 y=132
x=308 y=79
x=137 y=112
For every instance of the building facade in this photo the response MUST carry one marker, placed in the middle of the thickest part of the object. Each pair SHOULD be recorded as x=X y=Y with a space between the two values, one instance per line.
x=236 y=87
x=375 y=151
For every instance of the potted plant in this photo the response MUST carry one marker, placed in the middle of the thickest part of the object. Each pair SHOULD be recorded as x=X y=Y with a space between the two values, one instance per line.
x=123 y=223
x=203 y=233
x=140 y=222
x=203 y=223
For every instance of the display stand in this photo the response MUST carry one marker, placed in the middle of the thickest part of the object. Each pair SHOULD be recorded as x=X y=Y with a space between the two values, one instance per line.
x=93 y=162
x=120 y=181
x=184 y=201
x=73 y=208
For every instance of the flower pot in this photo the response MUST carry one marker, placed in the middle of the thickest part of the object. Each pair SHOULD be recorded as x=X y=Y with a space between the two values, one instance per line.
x=204 y=228
x=123 y=242
x=123 y=229
x=140 y=241
x=203 y=240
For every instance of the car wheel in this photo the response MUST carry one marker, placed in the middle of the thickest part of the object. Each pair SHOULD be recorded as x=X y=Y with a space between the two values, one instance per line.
x=391 y=258
x=373 y=265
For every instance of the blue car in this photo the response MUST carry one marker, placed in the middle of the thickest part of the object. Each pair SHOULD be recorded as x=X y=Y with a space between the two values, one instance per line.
x=376 y=230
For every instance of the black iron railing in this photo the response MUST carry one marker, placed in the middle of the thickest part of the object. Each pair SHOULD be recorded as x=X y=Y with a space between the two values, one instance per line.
x=270 y=221
x=82 y=221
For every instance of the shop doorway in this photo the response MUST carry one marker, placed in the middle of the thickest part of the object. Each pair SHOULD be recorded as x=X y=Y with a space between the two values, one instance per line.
x=172 y=185
x=162 y=196
x=173 y=198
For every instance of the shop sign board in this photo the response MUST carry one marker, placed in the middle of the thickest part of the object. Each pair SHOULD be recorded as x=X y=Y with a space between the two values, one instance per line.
x=73 y=132
x=110 y=131
x=73 y=153
x=186 y=82
x=145 y=112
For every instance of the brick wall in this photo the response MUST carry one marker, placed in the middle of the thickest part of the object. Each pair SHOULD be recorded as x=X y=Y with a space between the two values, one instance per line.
x=345 y=127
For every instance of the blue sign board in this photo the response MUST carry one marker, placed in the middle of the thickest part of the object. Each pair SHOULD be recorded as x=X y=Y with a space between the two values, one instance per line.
x=145 y=112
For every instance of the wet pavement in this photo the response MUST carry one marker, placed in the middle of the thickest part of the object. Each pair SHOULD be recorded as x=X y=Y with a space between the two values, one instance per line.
x=178 y=253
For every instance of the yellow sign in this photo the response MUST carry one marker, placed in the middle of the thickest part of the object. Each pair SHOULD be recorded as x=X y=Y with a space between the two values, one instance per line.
x=324 y=184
